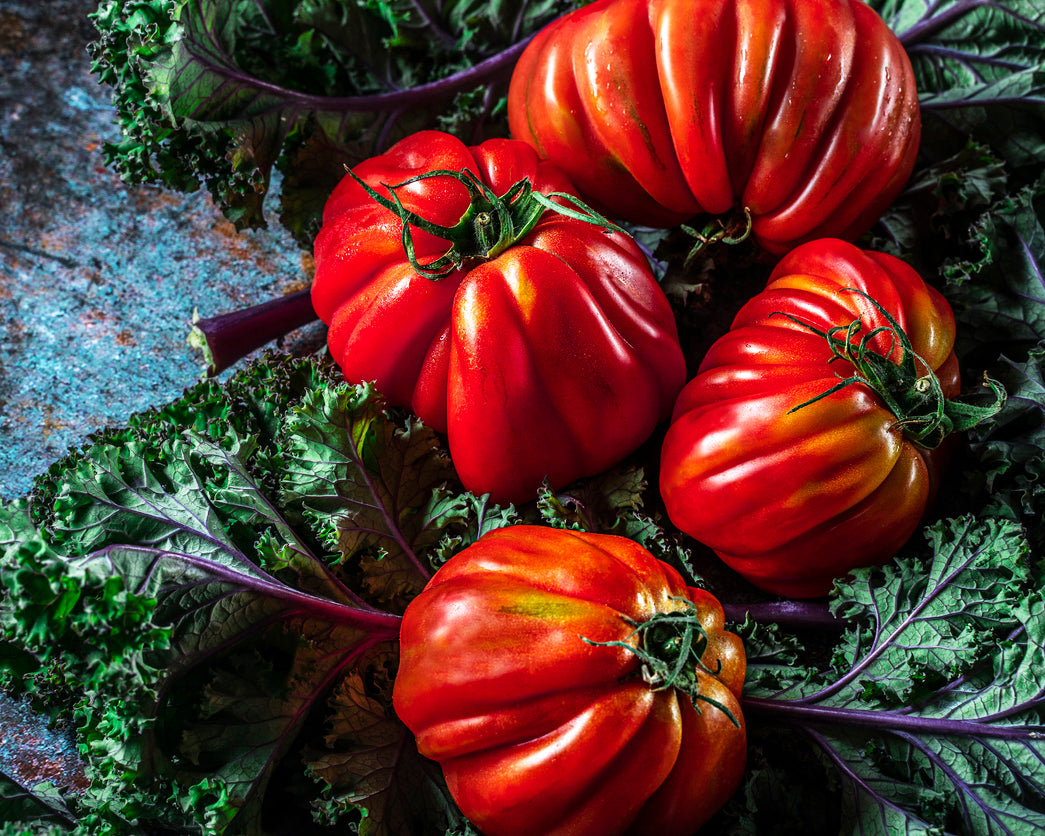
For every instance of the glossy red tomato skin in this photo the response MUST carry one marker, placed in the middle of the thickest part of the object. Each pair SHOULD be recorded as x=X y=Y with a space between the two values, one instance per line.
x=805 y=112
x=539 y=732
x=793 y=501
x=553 y=360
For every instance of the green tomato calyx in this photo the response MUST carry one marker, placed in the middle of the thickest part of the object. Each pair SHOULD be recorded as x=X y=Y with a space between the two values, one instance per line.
x=489 y=226
x=908 y=388
x=671 y=647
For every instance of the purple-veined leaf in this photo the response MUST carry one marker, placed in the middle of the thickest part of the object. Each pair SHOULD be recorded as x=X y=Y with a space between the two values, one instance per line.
x=378 y=483
x=934 y=717
x=370 y=761
x=980 y=70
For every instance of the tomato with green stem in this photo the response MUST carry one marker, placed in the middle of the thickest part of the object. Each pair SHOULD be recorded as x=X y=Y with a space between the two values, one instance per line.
x=813 y=437
x=473 y=287
x=571 y=684
x=797 y=117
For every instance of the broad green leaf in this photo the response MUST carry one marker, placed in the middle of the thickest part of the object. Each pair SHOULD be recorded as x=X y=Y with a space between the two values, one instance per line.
x=375 y=481
x=919 y=627
x=876 y=802
x=980 y=71
x=370 y=762
x=133 y=493
x=925 y=740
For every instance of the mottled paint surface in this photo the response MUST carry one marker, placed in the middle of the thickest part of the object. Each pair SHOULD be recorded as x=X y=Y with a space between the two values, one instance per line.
x=32 y=753
x=99 y=279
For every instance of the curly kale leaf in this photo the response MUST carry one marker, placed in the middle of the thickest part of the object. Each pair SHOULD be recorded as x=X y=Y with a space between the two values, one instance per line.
x=997 y=285
x=932 y=715
x=379 y=486
x=371 y=761
x=222 y=93
x=184 y=585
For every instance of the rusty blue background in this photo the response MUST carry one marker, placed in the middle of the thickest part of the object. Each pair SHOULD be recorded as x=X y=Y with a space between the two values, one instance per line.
x=99 y=279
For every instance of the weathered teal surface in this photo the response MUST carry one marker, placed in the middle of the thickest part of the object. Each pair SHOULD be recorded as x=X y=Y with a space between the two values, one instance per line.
x=99 y=280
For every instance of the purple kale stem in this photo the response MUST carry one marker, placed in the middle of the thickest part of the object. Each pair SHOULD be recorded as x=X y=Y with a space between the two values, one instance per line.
x=356 y=614
x=882 y=721
x=230 y=337
x=859 y=781
x=786 y=613
x=483 y=72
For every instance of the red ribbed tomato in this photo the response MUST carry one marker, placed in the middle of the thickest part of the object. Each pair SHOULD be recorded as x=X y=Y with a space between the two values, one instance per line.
x=803 y=112
x=539 y=342
x=537 y=668
x=793 y=487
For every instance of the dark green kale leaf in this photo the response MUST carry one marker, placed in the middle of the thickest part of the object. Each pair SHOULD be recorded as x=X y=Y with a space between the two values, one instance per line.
x=1009 y=453
x=370 y=761
x=929 y=222
x=220 y=94
x=186 y=588
x=374 y=488
x=931 y=714
x=980 y=71
x=996 y=284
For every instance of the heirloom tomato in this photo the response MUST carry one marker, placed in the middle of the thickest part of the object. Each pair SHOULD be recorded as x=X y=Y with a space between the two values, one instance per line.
x=538 y=341
x=571 y=683
x=809 y=441
x=801 y=113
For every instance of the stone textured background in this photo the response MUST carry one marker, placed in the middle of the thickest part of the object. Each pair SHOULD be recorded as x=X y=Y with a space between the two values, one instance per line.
x=98 y=279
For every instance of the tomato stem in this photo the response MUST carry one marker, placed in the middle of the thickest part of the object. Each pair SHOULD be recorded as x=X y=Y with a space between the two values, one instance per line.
x=915 y=397
x=227 y=338
x=489 y=226
x=671 y=648
x=734 y=230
